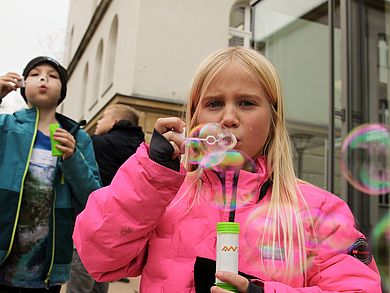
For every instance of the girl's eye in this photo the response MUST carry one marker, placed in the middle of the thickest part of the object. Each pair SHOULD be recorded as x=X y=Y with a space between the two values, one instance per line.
x=53 y=76
x=34 y=74
x=246 y=103
x=214 y=104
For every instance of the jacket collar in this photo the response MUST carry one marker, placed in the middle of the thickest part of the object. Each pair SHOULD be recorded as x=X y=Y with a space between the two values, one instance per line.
x=250 y=187
x=66 y=123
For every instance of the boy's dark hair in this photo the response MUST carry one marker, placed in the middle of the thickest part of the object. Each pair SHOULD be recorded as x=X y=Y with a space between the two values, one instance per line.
x=56 y=65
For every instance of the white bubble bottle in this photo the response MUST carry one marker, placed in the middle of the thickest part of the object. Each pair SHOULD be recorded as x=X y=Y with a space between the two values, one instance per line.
x=227 y=251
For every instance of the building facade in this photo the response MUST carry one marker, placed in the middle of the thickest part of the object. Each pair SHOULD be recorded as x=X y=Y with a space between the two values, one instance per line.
x=332 y=57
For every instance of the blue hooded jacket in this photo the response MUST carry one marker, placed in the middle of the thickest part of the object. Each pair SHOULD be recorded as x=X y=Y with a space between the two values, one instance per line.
x=74 y=180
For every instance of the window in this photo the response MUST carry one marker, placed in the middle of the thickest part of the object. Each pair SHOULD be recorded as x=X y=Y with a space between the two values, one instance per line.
x=70 y=44
x=240 y=33
x=84 y=87
x=111 y=53
x=96 y=75
x=294 y=35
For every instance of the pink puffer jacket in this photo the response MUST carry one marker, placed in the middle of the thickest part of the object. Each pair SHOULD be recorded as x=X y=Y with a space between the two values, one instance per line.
x=141 y=225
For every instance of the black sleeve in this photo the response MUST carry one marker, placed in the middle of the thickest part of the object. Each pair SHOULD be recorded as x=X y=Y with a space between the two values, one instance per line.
x=252 y=288
x=161 y=152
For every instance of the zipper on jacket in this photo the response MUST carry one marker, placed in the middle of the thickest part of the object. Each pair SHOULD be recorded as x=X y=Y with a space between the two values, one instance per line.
x=47 y=279
x=22 y=185
x=222 y=178
x=233 y=201
x=53 y=236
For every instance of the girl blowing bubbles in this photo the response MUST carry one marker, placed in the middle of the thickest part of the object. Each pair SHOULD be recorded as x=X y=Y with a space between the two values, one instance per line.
x=157 y=219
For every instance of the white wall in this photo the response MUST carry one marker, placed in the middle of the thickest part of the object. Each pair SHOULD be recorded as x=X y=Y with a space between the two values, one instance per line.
x=80 y=15
x=174 y=36
x=160 y=44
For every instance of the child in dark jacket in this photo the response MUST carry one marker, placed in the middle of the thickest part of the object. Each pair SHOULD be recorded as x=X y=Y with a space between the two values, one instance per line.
x=117 y=137
x=39 y=191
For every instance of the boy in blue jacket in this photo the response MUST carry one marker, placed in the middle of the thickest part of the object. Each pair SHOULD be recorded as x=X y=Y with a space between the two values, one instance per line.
x=40 y=193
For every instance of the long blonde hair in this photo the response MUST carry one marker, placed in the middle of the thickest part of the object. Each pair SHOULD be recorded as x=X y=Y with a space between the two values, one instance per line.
x=286 y=199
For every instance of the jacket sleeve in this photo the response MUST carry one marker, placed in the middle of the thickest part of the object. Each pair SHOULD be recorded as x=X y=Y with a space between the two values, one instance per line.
x=335 y=266
x=111 y=234
x=81 y=170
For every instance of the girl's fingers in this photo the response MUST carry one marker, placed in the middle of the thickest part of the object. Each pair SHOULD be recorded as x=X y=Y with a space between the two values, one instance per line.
x=171 y=128
x=176 y=150
x=164 y=125
x=237 y=281
x=174 y=137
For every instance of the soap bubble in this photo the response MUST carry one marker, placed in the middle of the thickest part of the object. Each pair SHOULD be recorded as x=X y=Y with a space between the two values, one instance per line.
x=365 y=158
x=208 y=138
x=211 y=147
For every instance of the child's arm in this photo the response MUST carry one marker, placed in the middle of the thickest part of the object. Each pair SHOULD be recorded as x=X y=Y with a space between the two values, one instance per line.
x=112 y=233
x=81 y=170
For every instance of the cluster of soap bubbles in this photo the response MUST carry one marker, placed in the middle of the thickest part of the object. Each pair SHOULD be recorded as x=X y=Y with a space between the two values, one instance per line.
x=365 y=158
x=211 y=146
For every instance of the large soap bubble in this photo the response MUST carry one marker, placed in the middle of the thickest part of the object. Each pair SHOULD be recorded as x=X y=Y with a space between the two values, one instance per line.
x=365 y=158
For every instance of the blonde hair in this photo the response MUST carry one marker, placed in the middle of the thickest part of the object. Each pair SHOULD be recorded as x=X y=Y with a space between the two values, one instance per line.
x=285 y=203
x=124 y=112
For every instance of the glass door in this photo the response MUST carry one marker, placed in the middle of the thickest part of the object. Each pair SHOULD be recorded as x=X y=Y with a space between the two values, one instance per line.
x=294 y=35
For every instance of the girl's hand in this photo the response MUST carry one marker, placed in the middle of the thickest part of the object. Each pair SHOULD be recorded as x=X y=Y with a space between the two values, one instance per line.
x=237 y=281
x=171 y=128
x=67 y=143
x=8 y=83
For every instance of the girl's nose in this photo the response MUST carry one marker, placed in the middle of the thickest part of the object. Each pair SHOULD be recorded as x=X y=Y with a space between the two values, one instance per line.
x=43 y=79
x=230 y=118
